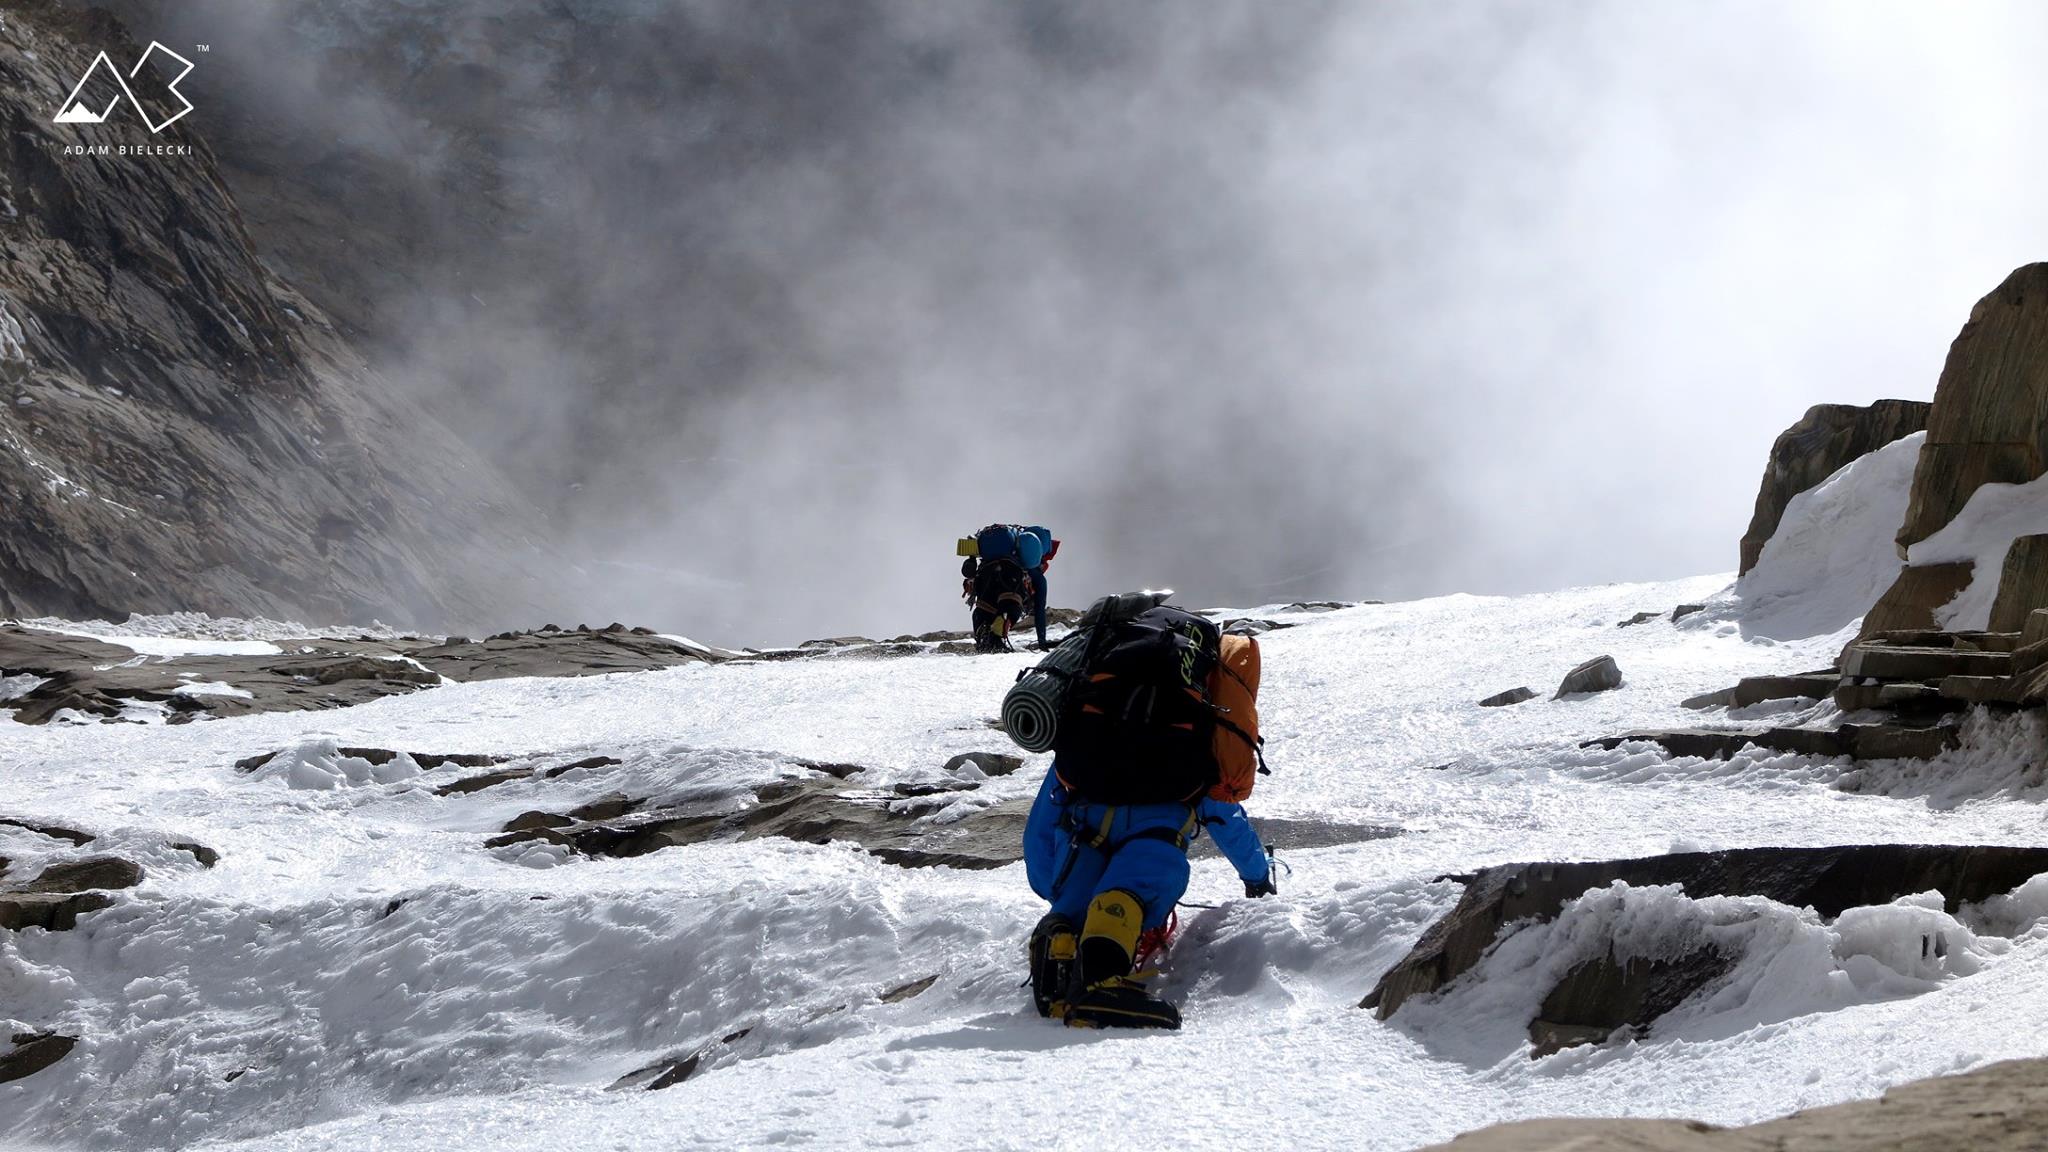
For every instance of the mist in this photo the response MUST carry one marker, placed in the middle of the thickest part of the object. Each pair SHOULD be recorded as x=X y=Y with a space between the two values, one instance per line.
x=766 y=303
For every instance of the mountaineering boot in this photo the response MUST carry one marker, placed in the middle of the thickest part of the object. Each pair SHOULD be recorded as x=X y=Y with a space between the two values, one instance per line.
x=1120 y=1002
x=1109 y=997
x=1055 y=950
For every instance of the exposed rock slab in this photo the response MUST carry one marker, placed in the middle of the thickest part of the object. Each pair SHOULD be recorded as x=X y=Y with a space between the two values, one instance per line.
x=1511 y=696
x=1859 y=741
x=56 y=911
x=1827 y=880
x=101 y=679
x=1810 y=451
x=1885 y=662
x=1989 y=422
x=2000 y=1108
x=54 y=831
x=2022 y=583
x=1810 y=685
x=32 y=1052
x=1914 y=597
x=1598 y=997
x=86 y=874
x=893 y=825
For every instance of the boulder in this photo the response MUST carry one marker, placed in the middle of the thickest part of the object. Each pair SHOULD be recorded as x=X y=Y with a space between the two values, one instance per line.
x=85 y=875
x=207 y=857
x=536 y=820
x=1684 y=610
x=1511 y=696
x=1828 y=880
x=55 y=911
x=2022 y=584
x=33 y=1052
x=1600 y=674
x=1826 y=438
x=1989 y=422
x=609 y=806
x=1915 y=596
x=989 y=763
x=1639 y=618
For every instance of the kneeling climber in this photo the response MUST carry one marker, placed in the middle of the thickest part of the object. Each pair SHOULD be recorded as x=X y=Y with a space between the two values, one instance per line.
x=1002 y=578
x=1157 y=740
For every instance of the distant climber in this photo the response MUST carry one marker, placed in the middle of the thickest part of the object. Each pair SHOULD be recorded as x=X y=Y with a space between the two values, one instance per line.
x=1157 y=739
x=1002 y=576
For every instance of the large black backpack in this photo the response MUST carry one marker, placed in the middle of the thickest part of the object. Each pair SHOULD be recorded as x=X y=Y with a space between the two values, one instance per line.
x=1137 y=726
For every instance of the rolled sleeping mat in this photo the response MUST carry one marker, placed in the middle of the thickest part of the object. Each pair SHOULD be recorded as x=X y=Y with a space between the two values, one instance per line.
x=1031 y=708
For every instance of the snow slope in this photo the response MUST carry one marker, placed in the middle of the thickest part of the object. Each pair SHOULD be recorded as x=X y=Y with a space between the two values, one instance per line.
x=1833 y=554
x=359 y=971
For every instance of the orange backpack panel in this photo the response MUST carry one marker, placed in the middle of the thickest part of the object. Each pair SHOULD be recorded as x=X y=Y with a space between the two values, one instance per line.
x=1234 y=690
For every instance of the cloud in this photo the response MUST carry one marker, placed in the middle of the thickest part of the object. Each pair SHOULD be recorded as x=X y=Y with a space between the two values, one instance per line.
x=769 y=302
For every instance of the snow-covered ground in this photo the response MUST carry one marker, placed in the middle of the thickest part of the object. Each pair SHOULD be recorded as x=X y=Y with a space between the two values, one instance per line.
x=359 y=971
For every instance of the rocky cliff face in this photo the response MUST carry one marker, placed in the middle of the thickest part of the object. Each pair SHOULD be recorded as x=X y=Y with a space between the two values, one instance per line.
x=1989 y=423
x=179 y=428
x=1827 y=437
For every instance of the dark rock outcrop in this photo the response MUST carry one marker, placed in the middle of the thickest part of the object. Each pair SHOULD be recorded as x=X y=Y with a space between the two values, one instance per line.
x=1914 y=597
x=1827 y=880
x=1989 y=423
x=32 y=1052
x=54 y=831
x=426 y=760
x=988 y=763
x=1511 y=696
x=2000 y=1108
x=56 y=911
x=1600 y=674
x=85 y=874
x=96 y=678
x=1858 y=741
x=179 y=428
x=1602 y=995
x=892 y=824
x=2022 y=584
x=1827 y=437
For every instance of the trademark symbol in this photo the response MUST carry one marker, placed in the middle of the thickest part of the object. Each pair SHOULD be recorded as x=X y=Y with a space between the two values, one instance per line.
x=202 y=47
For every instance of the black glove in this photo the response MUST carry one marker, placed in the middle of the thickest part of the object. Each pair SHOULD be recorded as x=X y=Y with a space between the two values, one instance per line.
x=1261 y=888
